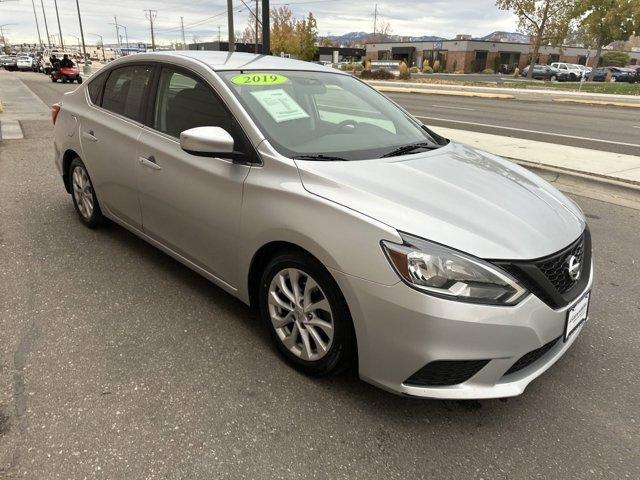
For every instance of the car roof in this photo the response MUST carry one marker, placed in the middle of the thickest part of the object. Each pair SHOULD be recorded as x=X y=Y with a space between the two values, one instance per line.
x=221 y=61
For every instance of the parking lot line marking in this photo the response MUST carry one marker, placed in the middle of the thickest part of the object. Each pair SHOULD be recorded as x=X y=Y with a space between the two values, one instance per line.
x=524 y=130
x=636 y=126
x=454 y=108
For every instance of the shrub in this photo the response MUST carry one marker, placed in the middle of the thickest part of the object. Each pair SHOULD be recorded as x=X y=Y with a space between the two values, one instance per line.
x=615 y=59
x=427 y=69
x=488 y=71
x=377 y=75
x=348 y=67
x=404 y=72
x=516 y=72
x=414 y=70
x=436 y=66
x=425 y=66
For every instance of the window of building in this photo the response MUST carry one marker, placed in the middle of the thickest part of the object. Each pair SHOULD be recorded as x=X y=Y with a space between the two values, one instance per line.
x=125 y=90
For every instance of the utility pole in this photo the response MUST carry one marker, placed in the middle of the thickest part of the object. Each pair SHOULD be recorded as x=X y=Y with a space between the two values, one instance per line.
x=115 y=20
x=33 y=2
x=232 y=40
x=55 y=2
x=266 y=29
x=85 y=66
x=375 y=20
x=151 y=15
x=256 y=15
x=46 y=27
x=218 y=35
x=184 y=42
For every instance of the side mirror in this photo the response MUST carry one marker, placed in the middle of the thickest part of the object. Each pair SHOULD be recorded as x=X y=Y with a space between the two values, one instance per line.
x=207 y=141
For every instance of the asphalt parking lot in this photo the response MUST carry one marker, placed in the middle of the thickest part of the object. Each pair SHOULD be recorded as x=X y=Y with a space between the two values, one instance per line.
x=117 y=362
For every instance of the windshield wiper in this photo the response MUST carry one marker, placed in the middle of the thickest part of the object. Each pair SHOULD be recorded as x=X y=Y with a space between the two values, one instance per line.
x=324 y=158
x=410 y=148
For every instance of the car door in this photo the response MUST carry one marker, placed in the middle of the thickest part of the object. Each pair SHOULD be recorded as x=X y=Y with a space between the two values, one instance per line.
x=110 y=131
x=191 y=204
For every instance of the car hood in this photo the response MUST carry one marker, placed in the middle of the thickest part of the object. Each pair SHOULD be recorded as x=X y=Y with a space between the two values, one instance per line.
x=457 y=196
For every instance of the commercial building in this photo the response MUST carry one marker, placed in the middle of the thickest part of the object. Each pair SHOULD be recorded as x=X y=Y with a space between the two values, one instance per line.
x=469 y=56
x=327 y=54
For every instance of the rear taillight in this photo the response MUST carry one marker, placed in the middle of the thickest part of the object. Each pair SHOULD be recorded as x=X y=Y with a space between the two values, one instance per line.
x=55 y=110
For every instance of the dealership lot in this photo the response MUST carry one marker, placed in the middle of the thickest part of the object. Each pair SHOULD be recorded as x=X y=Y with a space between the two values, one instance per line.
x=118 y=362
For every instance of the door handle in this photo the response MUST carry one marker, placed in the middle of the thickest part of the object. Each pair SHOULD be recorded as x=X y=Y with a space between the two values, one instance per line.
x=149 y=162
x=89 y=136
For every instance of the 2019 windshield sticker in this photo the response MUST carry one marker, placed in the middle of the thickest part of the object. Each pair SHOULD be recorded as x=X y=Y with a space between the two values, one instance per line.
x=259 y=79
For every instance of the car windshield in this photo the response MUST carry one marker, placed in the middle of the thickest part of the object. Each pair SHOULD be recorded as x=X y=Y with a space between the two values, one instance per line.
x=326 y=116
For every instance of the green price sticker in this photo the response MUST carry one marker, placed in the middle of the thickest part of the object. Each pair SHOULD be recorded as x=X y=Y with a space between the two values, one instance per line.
x=259 y=79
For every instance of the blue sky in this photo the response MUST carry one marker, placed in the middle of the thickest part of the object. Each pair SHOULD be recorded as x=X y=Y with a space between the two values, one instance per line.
x=202 y=18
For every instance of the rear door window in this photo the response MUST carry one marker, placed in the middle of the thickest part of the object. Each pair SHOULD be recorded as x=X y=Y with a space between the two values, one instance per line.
x=95 y=88
x=126 y=89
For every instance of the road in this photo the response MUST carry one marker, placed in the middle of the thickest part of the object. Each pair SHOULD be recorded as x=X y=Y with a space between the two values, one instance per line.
x=117 y=362
x=608 y=129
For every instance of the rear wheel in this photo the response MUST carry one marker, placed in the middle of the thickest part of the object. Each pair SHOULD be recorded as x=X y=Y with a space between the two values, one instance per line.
x=307 y=315
x=79 y=79
x=84 y=197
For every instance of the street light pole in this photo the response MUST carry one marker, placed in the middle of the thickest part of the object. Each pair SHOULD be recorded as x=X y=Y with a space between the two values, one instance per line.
x=55 y=2
x=232 y=39
x=35 y=15
x=46 y=27
x=115 y=19
x=104 y=57
x=86 y=68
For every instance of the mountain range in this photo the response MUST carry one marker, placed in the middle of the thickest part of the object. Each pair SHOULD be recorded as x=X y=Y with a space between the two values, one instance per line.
x=359 y=38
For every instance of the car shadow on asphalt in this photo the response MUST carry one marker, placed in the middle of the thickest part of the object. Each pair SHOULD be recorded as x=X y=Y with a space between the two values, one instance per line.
x=346 y=385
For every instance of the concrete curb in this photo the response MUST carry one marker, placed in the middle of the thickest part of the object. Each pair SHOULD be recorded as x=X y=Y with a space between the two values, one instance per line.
x=524 y=94
x=453 y=93
x=597 y=103
x=593 y=186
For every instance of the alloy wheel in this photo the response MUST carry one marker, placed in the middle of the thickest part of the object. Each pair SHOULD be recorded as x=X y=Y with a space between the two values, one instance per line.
x=300 y=314
x=82 y=192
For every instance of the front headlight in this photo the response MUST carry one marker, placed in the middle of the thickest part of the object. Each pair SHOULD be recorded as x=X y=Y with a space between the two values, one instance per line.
x=447 y=273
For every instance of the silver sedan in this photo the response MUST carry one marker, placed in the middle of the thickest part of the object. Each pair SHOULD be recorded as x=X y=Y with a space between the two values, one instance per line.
x=363 y=237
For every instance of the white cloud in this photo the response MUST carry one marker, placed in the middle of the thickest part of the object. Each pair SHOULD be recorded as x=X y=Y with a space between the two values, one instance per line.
x=430 y=17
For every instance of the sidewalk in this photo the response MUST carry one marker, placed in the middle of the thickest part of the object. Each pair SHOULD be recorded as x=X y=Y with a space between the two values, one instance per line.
x=19 y=103
x=538 y=95
x=593 y=173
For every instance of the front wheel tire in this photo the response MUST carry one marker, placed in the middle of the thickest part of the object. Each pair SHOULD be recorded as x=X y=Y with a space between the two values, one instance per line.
x=84 y=197
x=306 y=314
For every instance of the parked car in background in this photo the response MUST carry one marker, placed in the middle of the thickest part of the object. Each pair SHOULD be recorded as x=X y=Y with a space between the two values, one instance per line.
x=584 y=69
x=572 y=70
x=547 y=72
x=636 y=69
x=301 y=190
x=618 y=74
x=24 y=62
x=8 y=62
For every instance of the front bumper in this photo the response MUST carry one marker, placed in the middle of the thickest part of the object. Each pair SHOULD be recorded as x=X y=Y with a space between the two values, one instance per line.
x=400 y=330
